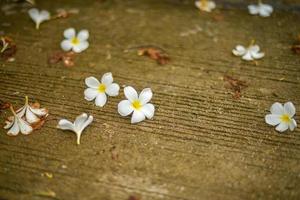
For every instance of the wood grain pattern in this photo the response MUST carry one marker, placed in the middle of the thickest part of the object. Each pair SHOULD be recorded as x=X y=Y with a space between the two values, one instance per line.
x=201 y=144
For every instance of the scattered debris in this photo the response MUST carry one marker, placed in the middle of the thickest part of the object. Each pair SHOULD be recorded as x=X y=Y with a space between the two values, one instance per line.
x=8 y=48
x=46 y=193
x=4 y=105
x=114 y=153
x=235 y=85
x=134 y=197
x=66 y=57
x=296 y=46
x=47 y=174
x=63 y=13
x=193 y=31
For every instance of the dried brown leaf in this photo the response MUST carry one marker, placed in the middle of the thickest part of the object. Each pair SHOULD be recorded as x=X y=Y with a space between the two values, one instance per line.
x=8 y=48
x=235 y=85
x=154 y=53
x=66 y=57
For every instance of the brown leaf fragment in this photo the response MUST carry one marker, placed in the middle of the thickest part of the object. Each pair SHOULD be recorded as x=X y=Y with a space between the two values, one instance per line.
x=8 y=48
x=235 y=85
x=4 y=105
x=296 y=46
x=66 y=57
x=134 y=197
x=154 y=53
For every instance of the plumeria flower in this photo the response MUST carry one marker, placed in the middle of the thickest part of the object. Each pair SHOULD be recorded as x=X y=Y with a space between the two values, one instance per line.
x=205 y=5
x=282 y=116
x=38 y=16
x=137 y=104
x=264 y=10
x=98 y=90
x=248 y=53
x=16 y=124
x=32 y=113
x=80 y=123
x=77 y=43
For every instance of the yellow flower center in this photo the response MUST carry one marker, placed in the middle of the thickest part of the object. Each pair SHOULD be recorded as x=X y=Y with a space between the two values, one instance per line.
x=75 y=41
x=101 y=88
x=204 y=4
x=285 y=118
x=136 y=104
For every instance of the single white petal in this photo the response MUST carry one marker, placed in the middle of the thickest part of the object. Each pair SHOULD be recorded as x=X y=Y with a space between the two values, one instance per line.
x=239 y=50
x=293 y=125
x=21 y=112
x=15 y=129
x=148 y=110
x=87 y=122
x=25 y=128
x=66 y=45
x=112 y=90
x=83 y=45
x=289 y=109
x=33 y=13
x=277 y=109
x=101 y=99
x=83 y=35
x=264 y=13
x=39 y=111
x=247 y=56
x=79 y=121
x=125 y=108
x=90 y=94
x=8 y=124
x=145 y=96
x=137 y=116
x=253 y=9
x=107 y=78
x=254 y=48
x=69 y=33
x=272 y=119
x=282 y=127
x=44 y=15
x=65 y=125
x=257 y=55
x=92 y=82
x=30 y=116
x=267 y=8
x=211 y=5
x=130 y=93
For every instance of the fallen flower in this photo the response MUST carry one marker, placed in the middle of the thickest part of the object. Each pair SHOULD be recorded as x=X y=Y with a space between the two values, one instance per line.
x=248 y=53
x=32 y=113
x=235 y=85
x=154 y=53
x=77 y=43
x=282 y=116
x=205 y=5
x=80 y=123
x=38 y=16
x=15 y=124
x=261 y=9
x=137 y=104
x=99 y=90
x=8 y=48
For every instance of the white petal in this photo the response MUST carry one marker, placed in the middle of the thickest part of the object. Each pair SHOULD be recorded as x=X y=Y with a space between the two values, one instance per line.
x=83 y=35
x=25 y=128
x=289 y=109
x=83 y=45
x=31 y=117
x=247 y=56
x=113 y=90
x=21 y=112
x=264 y=13
x=14 y=130
x=33 y=13
x=107 y=78
x=130 y=93
x=253 y=9
x=145 y=96
x=257 y=55
x=79 y=121
x=92 y=82
x=125 y=108
x=254 y=48
x=272 y=119
x=282 y=127
x=211 y=5
x=101 y=99
x=137 y=116
x=44 y=15
x=293 y=125
x=90 y=94
x=69 y=33
x=66 y=45
x=39 y=111
x=65 y=125
x=239 y=50
x=87 y=122
x=277 y=109
x=8 y=124
x=148 y=110
x=267 y=8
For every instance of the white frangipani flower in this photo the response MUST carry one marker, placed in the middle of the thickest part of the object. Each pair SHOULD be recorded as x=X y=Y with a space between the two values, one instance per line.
x=16 y=124
x=137 y=104
x=205 y=5
x=38 y=16
x=282 y=116
x=99 y=90
x=77 y=43
x=80 y=123
x=32 y=114
x=248 y=53
x=261 y=9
